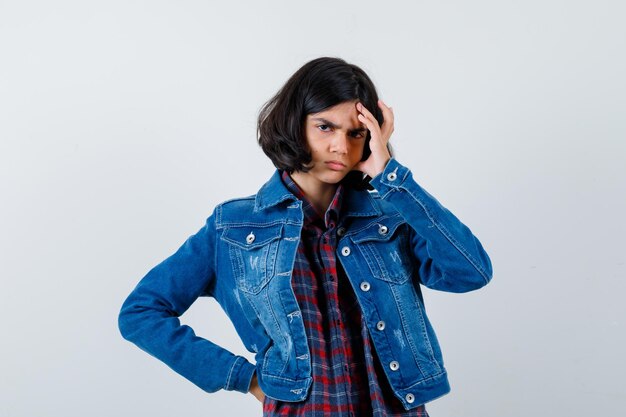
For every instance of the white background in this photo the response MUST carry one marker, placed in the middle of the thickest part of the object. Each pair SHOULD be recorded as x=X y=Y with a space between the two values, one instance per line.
x=122 y=124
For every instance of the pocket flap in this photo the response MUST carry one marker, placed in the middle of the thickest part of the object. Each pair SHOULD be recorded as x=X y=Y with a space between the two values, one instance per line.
x=251 y=237
x=382 y=230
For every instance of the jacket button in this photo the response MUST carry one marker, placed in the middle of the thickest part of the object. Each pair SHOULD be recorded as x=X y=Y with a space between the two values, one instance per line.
x=410 y=398
x=383 y=229
x=365 y=286
x=250 y=238
x=380 y=325
x=392 y=176
x=394 y=365
x=341 y=231
x=345 y=251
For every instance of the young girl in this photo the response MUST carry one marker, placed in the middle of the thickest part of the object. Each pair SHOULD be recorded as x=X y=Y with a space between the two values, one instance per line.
x=320 y=270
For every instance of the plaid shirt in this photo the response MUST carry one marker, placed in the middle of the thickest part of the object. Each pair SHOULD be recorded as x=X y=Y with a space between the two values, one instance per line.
x=348 y=379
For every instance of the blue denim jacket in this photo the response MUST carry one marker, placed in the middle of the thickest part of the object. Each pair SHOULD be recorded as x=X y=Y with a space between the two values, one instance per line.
x=389 y=242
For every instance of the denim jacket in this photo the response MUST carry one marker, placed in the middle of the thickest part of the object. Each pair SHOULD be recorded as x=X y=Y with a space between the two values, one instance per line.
x=390 y=241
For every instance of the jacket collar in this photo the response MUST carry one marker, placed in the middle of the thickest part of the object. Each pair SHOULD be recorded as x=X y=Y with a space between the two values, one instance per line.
x=355 y=203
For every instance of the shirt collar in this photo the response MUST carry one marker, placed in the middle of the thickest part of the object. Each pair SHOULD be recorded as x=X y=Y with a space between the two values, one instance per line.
x=331 y=215
x=354 y=203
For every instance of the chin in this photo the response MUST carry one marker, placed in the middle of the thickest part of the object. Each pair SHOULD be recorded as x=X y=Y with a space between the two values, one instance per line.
x=333 y=177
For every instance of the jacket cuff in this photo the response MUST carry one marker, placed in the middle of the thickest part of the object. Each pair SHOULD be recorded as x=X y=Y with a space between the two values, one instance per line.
x=391 y=178
x=240 y=375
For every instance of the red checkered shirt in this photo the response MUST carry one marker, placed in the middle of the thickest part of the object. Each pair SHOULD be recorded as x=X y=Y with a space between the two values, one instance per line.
x=348 y=379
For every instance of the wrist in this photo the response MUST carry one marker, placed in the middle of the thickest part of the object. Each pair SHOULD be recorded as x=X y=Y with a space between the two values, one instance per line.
x=380 y=167
x=255 y=389
x=254 y=383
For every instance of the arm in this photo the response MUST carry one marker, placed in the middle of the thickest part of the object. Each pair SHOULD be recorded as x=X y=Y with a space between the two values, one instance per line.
x=450 y=257
x=149 y=317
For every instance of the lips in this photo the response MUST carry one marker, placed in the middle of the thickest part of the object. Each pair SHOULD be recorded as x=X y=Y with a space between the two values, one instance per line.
x=335 y=165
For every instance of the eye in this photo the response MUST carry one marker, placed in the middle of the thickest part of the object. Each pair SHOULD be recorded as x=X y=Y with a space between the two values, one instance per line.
x=358 y=135
x=323 y=128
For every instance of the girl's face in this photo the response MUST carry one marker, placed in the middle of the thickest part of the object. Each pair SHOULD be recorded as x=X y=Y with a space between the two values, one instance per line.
x=336 y=139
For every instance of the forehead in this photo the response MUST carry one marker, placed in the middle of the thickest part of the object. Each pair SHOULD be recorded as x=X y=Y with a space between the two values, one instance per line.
x=339 y=114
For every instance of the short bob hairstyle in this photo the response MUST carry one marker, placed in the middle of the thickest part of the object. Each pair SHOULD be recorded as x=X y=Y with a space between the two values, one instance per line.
x=316 y=86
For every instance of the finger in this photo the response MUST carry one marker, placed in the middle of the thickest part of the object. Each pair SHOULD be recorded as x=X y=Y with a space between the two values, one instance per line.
x=372 y=125
x=378 y=132
x=387 y=111
x=387 y=126
x=388 y=123
x=365 y=112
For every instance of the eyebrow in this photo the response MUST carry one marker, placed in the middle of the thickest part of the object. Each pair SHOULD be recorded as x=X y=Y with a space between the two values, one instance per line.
x=334 y=126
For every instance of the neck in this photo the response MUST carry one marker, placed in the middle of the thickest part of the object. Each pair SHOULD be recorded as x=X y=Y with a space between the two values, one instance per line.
x=318 y=193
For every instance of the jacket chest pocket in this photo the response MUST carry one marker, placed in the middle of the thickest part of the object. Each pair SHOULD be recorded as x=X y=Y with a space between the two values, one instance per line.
x=386 y=248
x=252 y=251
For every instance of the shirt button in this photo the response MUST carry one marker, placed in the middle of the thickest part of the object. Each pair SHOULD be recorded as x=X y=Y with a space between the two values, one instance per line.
x=250 y=238
x=341 y=231
x=392 y=176
x=345 y=251
x=394 y=365
x=365 y=286
x=380 y=325
x=383 y=229
x=410 y=398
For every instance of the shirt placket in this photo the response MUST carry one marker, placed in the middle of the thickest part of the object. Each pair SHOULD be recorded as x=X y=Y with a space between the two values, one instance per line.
x=339 y=342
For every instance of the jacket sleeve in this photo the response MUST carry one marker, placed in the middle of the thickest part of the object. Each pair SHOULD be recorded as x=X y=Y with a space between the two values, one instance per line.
x=149 y=317
x=450 y=257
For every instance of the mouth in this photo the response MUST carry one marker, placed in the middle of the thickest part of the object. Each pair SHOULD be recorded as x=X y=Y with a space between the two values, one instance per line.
x=335 y=165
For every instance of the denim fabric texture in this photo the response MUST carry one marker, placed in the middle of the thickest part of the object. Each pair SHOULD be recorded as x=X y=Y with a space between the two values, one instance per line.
x=392 y=241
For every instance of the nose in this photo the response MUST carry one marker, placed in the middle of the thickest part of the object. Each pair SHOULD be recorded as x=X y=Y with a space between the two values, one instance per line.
x=339 y=143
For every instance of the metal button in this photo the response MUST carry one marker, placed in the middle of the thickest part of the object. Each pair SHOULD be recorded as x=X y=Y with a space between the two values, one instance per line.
x=410 y=398
x=250 y=238
x=392 y=176
x=394 y=365
x=345 y=251
x=365 y=286
x=380 y=325
x=341 y=231
x=383 y=229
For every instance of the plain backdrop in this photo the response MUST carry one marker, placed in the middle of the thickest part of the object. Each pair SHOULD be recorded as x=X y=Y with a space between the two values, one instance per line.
x=123 y=123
